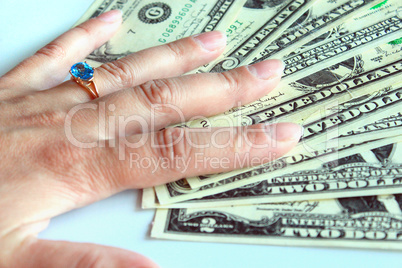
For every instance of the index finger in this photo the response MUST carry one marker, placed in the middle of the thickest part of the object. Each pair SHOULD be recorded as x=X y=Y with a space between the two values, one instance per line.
x=49 y=66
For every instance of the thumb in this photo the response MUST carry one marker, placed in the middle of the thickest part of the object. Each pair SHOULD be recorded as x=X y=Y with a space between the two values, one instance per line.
x=46 y=253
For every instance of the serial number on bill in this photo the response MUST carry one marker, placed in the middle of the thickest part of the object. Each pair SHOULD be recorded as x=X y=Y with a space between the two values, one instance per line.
x=175 y=22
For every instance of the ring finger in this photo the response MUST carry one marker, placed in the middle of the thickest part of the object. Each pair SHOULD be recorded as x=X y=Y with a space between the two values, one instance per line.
x=160 y=103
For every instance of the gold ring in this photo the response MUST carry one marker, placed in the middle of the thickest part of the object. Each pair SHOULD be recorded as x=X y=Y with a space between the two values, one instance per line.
x=83 y=74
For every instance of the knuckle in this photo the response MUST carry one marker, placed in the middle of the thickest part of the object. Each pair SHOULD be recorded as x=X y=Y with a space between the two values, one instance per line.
x=256 y=138
x=230 y=82
x=176 y=50
x=173 y=144
x=92 y=260
x=243 y=140
x=121 y=71
x=83 y=29
x=251 y=138
x=160 y=92
x=53 y=50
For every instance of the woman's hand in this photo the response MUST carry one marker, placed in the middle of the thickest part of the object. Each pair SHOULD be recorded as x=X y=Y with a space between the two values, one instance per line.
x=60 y=150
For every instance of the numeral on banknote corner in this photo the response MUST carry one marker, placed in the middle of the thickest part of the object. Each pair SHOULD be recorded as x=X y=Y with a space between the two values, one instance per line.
x=206 y=225
x=205 y=124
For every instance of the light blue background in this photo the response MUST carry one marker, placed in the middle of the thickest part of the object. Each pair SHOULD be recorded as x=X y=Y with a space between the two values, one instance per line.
x=27 y=25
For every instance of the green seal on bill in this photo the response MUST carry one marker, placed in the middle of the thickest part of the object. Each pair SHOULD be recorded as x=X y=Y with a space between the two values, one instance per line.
x=396 y=42
x=379 y=5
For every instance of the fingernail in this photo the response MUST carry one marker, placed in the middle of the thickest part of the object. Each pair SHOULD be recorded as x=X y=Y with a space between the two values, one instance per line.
x=211 y=41
x=285 y=131
x=267 y=69
x=111 y=16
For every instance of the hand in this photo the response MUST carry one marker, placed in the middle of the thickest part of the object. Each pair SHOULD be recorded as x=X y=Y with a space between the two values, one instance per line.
x=60 y=150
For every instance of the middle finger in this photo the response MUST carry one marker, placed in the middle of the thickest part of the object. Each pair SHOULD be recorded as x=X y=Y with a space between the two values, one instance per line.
x=160 y=103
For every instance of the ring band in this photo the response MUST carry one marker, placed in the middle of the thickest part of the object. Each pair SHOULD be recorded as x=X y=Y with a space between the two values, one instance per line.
x=83 y=74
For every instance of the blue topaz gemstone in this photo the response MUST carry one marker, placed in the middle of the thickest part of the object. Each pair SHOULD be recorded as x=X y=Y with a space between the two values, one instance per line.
x=82 y=70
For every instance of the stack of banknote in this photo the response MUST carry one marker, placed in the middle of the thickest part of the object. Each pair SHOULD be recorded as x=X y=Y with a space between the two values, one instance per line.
x=342 y=185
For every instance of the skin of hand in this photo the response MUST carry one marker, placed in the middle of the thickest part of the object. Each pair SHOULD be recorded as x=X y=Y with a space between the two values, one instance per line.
x=55 y=156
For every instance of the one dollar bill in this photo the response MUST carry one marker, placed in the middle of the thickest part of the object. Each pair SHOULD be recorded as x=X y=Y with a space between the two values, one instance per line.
x=150 y=23
x=258 y=24
x=297 y=100
x=316 y=24
x=368 y=30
